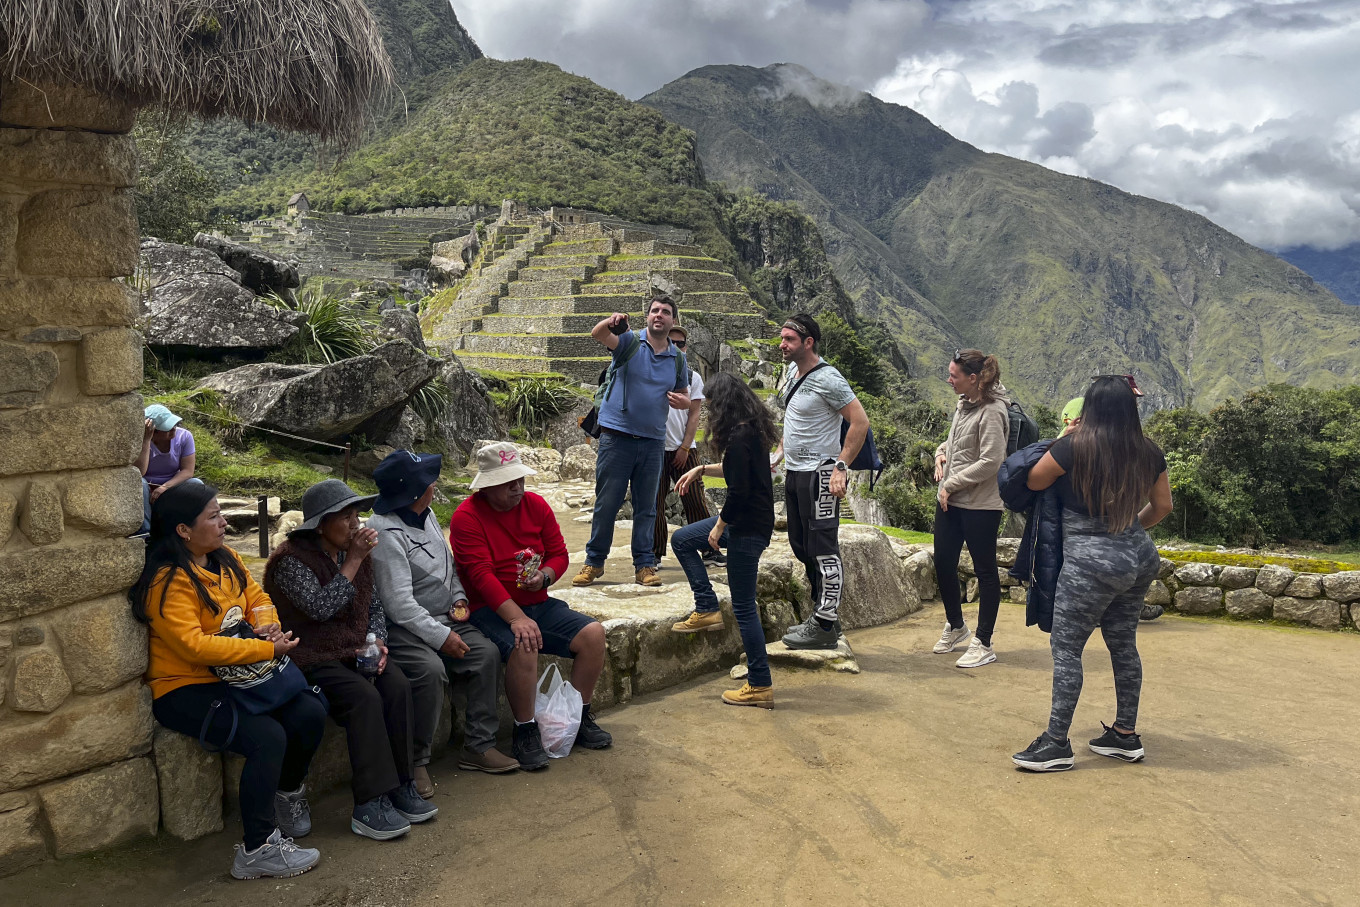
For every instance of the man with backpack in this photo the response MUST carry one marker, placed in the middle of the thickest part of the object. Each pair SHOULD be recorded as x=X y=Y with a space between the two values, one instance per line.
x=817 y=400
x=647 y=377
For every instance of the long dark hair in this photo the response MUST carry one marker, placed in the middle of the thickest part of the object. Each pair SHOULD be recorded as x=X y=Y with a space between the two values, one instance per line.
x=988 y=370
x=1113 y=464
x=732 y=403
x=184 y=504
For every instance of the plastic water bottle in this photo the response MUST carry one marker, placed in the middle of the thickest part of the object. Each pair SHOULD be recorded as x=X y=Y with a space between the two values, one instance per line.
x=366 y=659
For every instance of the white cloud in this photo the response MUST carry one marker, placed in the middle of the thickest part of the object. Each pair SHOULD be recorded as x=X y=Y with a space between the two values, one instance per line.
x=1242 y=110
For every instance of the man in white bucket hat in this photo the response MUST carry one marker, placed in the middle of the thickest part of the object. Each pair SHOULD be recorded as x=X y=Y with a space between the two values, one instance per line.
x=509 y=550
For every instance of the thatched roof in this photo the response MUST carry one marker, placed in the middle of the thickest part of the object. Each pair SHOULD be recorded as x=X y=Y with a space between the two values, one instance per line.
x=309 y=65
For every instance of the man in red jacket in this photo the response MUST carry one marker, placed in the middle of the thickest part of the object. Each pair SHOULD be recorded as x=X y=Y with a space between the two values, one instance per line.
x=509 y=550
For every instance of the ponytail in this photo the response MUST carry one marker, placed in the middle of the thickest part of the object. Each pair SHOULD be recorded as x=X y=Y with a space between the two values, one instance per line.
x=988 y=370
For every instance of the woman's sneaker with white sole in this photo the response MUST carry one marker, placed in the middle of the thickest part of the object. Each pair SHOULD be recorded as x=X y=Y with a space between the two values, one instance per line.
x=378 y=819
x=1128 y=747
x=1045 y=755
x=976 y=656
x=950 y=639
x=277 y=858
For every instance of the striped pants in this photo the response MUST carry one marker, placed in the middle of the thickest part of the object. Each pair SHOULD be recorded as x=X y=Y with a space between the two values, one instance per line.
x=696 y=507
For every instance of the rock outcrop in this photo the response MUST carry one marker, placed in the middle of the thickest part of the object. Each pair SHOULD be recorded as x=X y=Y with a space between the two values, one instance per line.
x=194 y=300
x=469 y=414
x=260 y=272
x=364 y=395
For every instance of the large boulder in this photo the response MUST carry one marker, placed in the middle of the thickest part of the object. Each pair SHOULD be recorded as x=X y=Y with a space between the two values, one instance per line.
x=260 y=271
x=470 y=414
x=400 y=324
x=364 y=395
x=194 y=301
x=563 y=431
x=449 y=260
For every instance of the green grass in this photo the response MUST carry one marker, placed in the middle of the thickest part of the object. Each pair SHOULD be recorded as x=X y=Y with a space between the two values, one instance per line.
x=910 y=536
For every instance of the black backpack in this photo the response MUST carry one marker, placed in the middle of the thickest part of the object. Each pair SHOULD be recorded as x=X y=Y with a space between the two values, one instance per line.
x=1024 y=431
x=867 y=458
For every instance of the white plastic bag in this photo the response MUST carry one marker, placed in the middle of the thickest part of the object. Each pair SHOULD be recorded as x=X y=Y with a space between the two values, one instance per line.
x=558 y=713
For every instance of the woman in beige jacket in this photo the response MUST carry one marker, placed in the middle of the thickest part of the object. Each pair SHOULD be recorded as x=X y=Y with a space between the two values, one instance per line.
x=970 y=509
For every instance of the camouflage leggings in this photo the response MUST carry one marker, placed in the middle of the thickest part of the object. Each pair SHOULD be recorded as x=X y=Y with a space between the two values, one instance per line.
x=1103 y=581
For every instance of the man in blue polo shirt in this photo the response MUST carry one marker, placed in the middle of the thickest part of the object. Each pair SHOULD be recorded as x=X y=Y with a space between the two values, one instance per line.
x=650 y=377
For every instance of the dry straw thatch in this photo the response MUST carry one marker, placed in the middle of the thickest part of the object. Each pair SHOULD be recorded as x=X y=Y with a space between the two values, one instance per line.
x=308 y=65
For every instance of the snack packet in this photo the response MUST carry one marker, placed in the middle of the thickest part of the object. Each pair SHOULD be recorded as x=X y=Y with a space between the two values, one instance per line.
x=528 y=560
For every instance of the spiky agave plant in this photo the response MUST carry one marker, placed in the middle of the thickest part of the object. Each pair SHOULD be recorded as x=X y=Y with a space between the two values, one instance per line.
x=533 y=401
x=334 y=330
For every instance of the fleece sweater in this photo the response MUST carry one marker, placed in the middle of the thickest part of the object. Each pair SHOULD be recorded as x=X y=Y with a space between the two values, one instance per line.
x=416 y=576
x=485 y=542
x=974 y=452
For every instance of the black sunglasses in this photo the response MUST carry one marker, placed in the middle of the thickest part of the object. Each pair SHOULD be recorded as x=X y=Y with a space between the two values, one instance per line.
x=679 y=343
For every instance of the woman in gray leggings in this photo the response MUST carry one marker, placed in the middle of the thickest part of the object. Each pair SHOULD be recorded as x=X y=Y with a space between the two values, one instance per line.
x=1113 y=485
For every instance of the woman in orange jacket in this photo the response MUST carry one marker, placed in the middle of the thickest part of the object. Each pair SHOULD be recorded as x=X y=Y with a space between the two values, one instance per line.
x=193 y=590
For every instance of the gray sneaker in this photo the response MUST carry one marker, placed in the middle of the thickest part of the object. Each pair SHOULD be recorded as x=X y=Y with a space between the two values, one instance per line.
x=411 y=805
x=810 y=635
x=378 y=819
x=292 y=813
x=277 y=858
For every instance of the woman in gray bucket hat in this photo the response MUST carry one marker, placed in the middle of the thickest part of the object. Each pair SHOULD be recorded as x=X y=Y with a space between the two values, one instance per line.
x=321 y=581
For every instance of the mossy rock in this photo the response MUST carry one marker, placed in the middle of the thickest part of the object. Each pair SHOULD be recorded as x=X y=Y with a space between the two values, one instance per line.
x=1297 y=564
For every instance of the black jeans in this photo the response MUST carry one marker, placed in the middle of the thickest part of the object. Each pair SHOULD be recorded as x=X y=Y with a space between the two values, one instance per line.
x=814 y=518
x=977 y=529
x=378 y=718
x=278 y=746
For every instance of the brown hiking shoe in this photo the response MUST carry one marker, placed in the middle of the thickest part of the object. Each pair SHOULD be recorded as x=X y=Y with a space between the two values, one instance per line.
x=646 y=576
x=587 y=575
x=424 y=785
x=760 y=697
x=493 y=761
x=699 y=620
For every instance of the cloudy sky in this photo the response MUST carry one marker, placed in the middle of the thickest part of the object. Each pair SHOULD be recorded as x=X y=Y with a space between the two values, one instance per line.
x=1246 y=112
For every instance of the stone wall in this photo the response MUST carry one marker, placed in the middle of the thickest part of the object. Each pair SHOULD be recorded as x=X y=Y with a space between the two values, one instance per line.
x=75 y=717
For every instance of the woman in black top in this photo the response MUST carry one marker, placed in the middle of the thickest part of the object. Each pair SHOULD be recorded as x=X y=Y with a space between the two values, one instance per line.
x=741 y=432
x=1113 y=485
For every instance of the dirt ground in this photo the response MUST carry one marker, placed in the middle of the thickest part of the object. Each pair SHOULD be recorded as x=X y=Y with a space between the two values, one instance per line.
x=893 y=786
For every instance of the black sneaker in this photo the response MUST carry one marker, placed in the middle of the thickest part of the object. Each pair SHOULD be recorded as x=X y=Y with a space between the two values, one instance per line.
x=810 y=635
x=715 y=558
x=591 y=735
x=1151 y=612
x=1118 y=746
x=527 y=747
x=1045 y=755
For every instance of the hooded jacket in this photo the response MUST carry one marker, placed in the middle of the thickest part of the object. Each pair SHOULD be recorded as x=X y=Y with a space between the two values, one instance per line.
x=1040 y=557
x=974 y=450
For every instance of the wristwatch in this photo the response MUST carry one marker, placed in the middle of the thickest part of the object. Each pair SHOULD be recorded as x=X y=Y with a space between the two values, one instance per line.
x=840 y=464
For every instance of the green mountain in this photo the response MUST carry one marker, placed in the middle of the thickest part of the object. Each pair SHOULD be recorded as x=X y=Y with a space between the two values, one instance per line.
x=1061 y=277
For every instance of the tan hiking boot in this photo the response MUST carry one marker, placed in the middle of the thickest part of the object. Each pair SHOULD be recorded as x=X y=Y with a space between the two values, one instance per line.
x=492 y=761
x=647 y=577
x=424 y=784
x=699 y=620
x=760 y=697
x=587 y=575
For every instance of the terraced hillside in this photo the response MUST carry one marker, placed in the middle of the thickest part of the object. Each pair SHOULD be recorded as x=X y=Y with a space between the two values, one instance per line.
x=529 y=304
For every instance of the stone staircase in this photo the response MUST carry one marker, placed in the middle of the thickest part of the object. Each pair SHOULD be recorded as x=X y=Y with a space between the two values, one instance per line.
x=530 y=309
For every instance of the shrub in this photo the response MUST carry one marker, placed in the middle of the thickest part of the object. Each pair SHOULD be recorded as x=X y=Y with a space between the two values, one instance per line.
x=531 y=402
x=334 y=330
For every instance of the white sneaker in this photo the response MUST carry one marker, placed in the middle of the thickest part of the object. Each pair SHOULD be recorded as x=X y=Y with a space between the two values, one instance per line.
x=950 y=639
x=976 y=656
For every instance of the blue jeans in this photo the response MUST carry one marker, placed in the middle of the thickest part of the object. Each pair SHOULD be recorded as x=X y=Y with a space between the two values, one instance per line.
x=743 y=561
x=622 y=461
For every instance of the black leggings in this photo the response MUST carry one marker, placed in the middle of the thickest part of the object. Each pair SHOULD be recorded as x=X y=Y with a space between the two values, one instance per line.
x=977 y=529
x=278 y=746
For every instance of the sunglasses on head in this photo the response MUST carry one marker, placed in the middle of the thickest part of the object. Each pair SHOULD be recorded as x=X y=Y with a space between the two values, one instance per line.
x=1129 y=379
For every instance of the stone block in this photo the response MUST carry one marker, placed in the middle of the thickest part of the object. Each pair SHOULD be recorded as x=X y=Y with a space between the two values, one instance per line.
x=78 y=233
x=873 y=592
x=970 y=590
x=41 y=519
x=919 y=570
x=101 y=808
x=1199 y=600
x=30 y=635
x=1249 y=603
x=103 y=645
x=63 y=301
x=1322 y=613
x=1167 y=568
x=85 y=732
x=35 y=581
x=51 y=334
x=1340 y=587
x=40 y=681
x=41 y=440
x=1237 y=577
x=111 y=362
x=26 y=372
x=1195 y=574
x=21 y=837
x=190 y=782
x=9 y=509
x=46 y=106
x=1018 y=594
x=1006 y=550
x=1158 y=594
x=72 y=157
x=1272 y=579
x=1305 y=585
x=108 y=501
